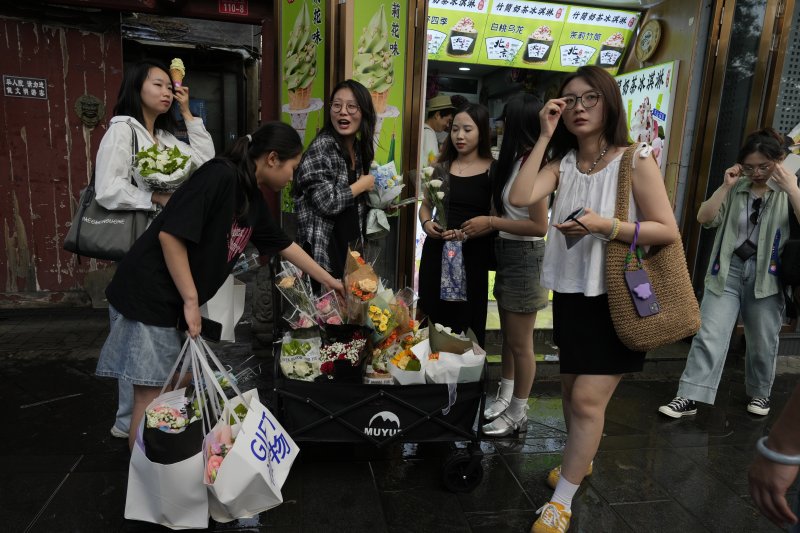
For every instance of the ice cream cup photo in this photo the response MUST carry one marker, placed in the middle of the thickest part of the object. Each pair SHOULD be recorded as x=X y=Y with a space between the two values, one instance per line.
x=462 y=38
x=539 y=45
x=611 y=51
x=300 y=65
x=373 y=64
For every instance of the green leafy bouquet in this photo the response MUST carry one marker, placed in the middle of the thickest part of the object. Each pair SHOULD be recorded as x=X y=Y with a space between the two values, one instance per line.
x=163 y=169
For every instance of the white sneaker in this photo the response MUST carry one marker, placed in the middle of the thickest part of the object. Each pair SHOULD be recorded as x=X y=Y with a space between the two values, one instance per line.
x=118 y=433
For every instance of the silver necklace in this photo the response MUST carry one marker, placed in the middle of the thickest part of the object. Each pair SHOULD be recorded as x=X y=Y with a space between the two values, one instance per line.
x=596 y=161
x=464 y=167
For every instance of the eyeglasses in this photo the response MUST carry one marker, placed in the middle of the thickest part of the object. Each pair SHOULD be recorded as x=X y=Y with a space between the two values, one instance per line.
x=351 y=108
x=588 y=99
x=760 y=169
x=756 y=208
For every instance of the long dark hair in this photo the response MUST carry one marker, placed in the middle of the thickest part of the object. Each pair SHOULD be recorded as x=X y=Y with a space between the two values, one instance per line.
x=272 y=136
x=129 y=99
x=766 y=142
x=480 y=115
x=521 y=130
x=615 y=130
x=364 y=138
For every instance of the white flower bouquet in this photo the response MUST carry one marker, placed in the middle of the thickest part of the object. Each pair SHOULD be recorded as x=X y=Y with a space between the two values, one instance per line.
x=163 y=169
x=432 y=189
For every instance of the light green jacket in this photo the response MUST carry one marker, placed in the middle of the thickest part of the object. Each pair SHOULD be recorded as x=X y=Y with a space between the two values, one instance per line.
x=775 y=219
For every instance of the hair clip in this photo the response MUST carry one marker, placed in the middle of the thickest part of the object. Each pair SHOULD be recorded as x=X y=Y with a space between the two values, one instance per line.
x=249 y=138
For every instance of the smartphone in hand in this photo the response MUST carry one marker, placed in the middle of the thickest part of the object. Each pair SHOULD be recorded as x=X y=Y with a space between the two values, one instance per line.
x=210 y=330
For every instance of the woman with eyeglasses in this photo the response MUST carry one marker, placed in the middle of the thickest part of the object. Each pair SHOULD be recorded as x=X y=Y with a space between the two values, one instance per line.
x=333 y=176
x=586 y=133
x=753 y=224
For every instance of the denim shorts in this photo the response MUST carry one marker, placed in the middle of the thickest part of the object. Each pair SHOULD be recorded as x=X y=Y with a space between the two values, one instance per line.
x=516 y=285
x=138 y=353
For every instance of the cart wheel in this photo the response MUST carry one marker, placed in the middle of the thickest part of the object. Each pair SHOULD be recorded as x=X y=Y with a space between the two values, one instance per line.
x=462 y=471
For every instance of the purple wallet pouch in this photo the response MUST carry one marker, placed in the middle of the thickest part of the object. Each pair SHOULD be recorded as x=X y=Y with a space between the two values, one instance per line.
x=639 y=282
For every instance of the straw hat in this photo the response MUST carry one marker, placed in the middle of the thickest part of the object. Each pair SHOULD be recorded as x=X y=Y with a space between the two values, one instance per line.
x=437 y=103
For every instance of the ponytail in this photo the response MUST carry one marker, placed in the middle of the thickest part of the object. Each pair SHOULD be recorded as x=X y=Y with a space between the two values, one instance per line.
x=273 y=136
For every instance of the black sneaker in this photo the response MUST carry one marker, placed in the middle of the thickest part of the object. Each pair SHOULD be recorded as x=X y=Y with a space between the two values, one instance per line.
x=679 y=407
x=758 y=406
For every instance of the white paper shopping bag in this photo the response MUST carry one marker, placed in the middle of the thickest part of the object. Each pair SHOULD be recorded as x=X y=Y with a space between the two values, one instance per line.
x=172 y=495
x=250 y=478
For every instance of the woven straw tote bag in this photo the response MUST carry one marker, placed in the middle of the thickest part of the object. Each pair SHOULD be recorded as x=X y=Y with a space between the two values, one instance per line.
x=665 y=265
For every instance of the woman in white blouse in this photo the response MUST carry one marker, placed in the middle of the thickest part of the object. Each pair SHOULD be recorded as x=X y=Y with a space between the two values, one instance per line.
x=143 y=110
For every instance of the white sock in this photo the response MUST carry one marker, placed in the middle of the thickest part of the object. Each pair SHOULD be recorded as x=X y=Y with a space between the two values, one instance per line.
x=516 y=407
x=506 y=388
x=564 y=493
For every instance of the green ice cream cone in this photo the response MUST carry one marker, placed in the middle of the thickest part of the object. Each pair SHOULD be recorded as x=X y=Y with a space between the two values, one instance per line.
x=300 y=66
x=373 y=65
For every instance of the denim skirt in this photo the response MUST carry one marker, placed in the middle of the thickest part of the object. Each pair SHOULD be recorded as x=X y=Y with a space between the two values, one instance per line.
x=138 y=353
x=516 y=285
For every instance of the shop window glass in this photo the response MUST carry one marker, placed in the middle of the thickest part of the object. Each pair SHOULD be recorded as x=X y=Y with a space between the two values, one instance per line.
x=787 y=109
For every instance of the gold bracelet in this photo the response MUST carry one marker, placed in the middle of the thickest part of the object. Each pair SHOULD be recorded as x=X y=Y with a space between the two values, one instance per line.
x=615 y=229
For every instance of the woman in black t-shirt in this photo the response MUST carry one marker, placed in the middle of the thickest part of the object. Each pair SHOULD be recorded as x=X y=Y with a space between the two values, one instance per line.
x=183 y=258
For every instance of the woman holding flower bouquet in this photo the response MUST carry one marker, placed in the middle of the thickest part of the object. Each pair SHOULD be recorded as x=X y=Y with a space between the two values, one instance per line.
x=142 y=118
x=519 y=249
x=333 y=177
x=183 y=258
x=586 y=131
x=461 y=194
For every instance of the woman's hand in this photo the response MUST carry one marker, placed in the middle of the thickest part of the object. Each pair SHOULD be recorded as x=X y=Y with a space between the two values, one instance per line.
x=454 y=235
x=590 y=221
x=785 y=179
x=182 y=97
x=161 y=198
x=477 y=226
x=192 y=313
x=363 y=184
x=768 y=485
x=337 y=286
x=433 y=230
x=549 y=116
x=732 y=175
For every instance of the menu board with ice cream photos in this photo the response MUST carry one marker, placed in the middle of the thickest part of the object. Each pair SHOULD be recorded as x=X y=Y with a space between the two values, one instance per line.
x=594 y=36
x=647 y=97
x=455 y=29
x=379 y=64
x=303 y=82
x=522 y=34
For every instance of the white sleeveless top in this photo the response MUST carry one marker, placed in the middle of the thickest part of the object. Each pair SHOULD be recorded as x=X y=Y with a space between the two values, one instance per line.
x=582 y=268
x=515 y=213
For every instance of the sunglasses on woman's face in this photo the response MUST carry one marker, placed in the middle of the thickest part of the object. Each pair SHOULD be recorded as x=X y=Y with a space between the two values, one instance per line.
x=756 y=209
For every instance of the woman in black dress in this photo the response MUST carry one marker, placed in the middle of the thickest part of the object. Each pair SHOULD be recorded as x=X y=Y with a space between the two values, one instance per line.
x=463 y=167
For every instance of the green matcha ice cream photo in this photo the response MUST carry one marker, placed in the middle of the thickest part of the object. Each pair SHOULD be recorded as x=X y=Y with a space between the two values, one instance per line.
x=373 y=65
x=300 y=67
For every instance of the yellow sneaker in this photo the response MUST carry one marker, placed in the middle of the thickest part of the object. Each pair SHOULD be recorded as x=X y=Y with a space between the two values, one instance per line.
x=555 y=474
x=553 y=518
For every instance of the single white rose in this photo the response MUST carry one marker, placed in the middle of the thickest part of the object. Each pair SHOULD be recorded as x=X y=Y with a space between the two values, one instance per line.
x=440 y=195
x=427 y=172
x=435 y=183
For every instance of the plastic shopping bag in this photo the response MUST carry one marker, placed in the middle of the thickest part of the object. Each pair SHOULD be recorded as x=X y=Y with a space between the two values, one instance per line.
x=249 y=478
